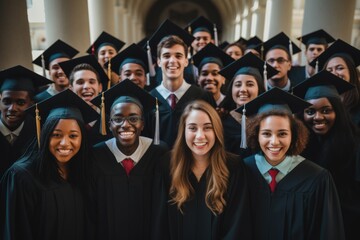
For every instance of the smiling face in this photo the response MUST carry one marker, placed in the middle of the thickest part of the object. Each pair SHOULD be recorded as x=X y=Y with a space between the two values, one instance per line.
x=244 y=89
x=127 y=133
x=135 y=72
x=320 y=117
x=199 y=134
x=12 y=107
x=86 y=85
x=210 y=80
x=202 y=38
x=61 y=81
x=172 y=62
x=65 y=141
x=338 y=67
x=275 y=138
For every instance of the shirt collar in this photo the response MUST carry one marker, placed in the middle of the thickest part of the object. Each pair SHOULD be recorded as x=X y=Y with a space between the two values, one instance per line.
x=5 y=131
x=284 y=167
x=165 y=93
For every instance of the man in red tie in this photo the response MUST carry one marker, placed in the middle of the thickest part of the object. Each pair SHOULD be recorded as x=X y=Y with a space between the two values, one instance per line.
x=124 y=166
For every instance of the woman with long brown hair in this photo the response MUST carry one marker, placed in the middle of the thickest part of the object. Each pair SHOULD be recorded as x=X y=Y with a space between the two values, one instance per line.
x=200 y=189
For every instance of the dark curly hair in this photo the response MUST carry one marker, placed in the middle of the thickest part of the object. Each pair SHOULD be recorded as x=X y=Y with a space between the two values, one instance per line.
x=299 y=132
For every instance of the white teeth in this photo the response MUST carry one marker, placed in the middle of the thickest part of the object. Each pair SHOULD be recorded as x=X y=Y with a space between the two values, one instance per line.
x=172 y=68
x=64 y=151
x=126 y=133
x=274 y=149
x=200 y=144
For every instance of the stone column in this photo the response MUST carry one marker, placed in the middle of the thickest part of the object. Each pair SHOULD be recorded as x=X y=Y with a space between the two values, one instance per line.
x=15 y=42
x=68 y=20
x=101 y=17
x=258 y=21
x=335 y=17
x=278 y=17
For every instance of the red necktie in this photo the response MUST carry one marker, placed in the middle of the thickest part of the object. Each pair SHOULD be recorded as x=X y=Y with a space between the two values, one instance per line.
x=172 y=101
x=273 y=172
x=128 y=164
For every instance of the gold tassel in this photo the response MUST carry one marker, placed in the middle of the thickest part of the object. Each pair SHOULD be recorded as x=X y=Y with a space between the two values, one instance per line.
x=38 y=127
x=102 y=108
x=109 y=74
x=157 y=125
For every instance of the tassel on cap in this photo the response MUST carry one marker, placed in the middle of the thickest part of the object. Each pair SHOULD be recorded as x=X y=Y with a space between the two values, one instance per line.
x=265 y=76
x=93 y=49
x=262 y=52
x=157 y=125
x=243 y=143
x=216 y=36
x=317 y=66
x=38 y=127
x=290 y=47
x=109 y=74
x=43 y=65
x=102 y=112
x=147 y=79
x=151 y=65
x=300 y=55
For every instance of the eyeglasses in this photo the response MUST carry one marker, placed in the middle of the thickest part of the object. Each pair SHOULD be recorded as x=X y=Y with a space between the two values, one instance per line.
x=131 y=119
x=280 y=60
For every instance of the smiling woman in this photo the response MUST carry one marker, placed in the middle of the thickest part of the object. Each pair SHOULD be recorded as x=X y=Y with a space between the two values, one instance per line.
x=49 y=182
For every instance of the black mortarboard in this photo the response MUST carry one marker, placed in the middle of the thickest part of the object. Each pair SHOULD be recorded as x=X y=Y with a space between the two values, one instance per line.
x=316 y=37
x=211 y=54
x=201 y=24
x=248 y=64
x=338 y=47
x=105 y=39
x=322 y=84
x=68 y=67
x=223 y=44
x=281 y=40
x=142 y=43
x=19 y=78
x=132 y=54
x=168 y=28
x=242 y=41
x=253 y=42
x=64 y=105
x=58 y=49
x=274 y=99
x=127 y=91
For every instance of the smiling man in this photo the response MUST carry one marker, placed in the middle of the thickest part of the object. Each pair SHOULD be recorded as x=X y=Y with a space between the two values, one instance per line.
x=124 y=166
x=17 y=90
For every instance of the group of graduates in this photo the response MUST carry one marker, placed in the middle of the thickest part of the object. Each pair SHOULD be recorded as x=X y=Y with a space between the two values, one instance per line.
x=177 y=138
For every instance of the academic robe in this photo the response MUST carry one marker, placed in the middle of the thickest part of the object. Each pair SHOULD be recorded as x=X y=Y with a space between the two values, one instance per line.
x=122 y=204
x=197 y=221
x=169 y=119
x=304 y=205
x=11 y=153
x=33 y=211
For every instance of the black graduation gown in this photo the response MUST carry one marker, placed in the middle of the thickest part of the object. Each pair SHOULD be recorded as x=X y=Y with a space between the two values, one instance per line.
x=169 y=118
x=197 y=221
x=32 y=211
x=11 y=153
x=297 y=75
x=304 y=204
x=122 y=204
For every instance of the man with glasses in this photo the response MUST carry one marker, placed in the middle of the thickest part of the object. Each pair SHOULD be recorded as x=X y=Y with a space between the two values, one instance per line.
x=278 y=53
x=124 y=166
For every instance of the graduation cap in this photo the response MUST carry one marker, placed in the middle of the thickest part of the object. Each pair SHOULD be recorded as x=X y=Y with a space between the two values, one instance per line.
x=142 y=43
x=127 y=91
x=58 y=49
x=316 y=37
x=274 y=99
x=19 y=78
x=69 y=65
x=211 y=54
x=223 y=45
x=338 y=47
x=166 y=28
x=280 y=40
x=132 y=54
x=253 y=42
x=202 y=24
x=322 y=84
x=251 y=65
x=105 y=39
x=64 y=105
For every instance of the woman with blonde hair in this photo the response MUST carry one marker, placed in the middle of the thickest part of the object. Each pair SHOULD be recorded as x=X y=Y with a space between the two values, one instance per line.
x=201 y=190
